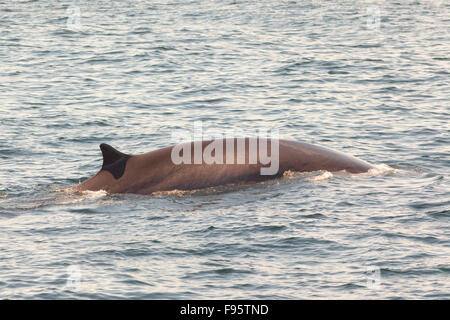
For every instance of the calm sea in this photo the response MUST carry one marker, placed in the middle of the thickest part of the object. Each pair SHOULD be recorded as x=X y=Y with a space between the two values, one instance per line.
x=369 y=78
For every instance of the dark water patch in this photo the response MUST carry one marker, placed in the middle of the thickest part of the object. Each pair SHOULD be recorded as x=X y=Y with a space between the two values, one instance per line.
x=268 y=228
x=293 y=66
x=419 y=256
x=345 y=204
x=141 y=31
x=424 y=239
x=254 y=229
x=134 y=282
x=445 y=269
x=5 y=213
x=220 y=272
x=349 y=286
x=84 y=210
x=367 y=45
x=426 y=205
x=295 y=242
x=416 y=272
x=165 y=48
x=439 y=296
x=7 y=153
x=210 y=101
x=152 y=218
x=124 y=253
x=439 y=214
x=74 y=34
x=51 y=230
x=96 y=123
x=313 y=216
x=206 y=231
x=212 y=249
x=103 y=60
x=338 y=72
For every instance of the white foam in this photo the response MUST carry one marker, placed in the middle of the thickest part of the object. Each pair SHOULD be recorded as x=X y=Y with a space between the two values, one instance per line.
x=289 y=174
x=174 y=192
x=94 y=194
x=314 y=176
x=380 y=170
x=323 y=176
x=80 y=196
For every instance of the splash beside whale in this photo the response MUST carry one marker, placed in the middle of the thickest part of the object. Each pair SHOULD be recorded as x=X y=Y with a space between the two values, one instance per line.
x=157 y=171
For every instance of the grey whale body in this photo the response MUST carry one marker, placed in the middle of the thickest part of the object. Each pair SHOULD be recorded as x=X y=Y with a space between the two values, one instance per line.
x=155 y=171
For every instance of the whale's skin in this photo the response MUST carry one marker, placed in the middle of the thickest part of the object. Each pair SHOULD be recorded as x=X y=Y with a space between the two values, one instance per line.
x=155 y=171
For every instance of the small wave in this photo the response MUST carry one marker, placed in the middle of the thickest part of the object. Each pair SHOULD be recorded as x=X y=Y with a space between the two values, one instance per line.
x=69 y=197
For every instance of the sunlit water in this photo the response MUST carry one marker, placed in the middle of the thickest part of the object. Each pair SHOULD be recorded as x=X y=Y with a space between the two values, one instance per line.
x=370 y=78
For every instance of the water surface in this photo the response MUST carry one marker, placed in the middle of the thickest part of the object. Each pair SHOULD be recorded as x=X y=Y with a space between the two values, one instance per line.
x=370 y=78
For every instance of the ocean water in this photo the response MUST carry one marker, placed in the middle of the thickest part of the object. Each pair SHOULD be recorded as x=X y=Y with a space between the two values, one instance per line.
x=369 y=78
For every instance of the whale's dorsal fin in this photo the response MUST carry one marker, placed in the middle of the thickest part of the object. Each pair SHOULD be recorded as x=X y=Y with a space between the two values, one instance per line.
x=114 y=161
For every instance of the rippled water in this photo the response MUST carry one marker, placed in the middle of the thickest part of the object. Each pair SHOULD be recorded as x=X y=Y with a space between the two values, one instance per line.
x=370 y=78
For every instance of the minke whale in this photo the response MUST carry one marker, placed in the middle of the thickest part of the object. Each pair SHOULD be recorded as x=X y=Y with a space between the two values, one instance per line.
x=202 y=164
